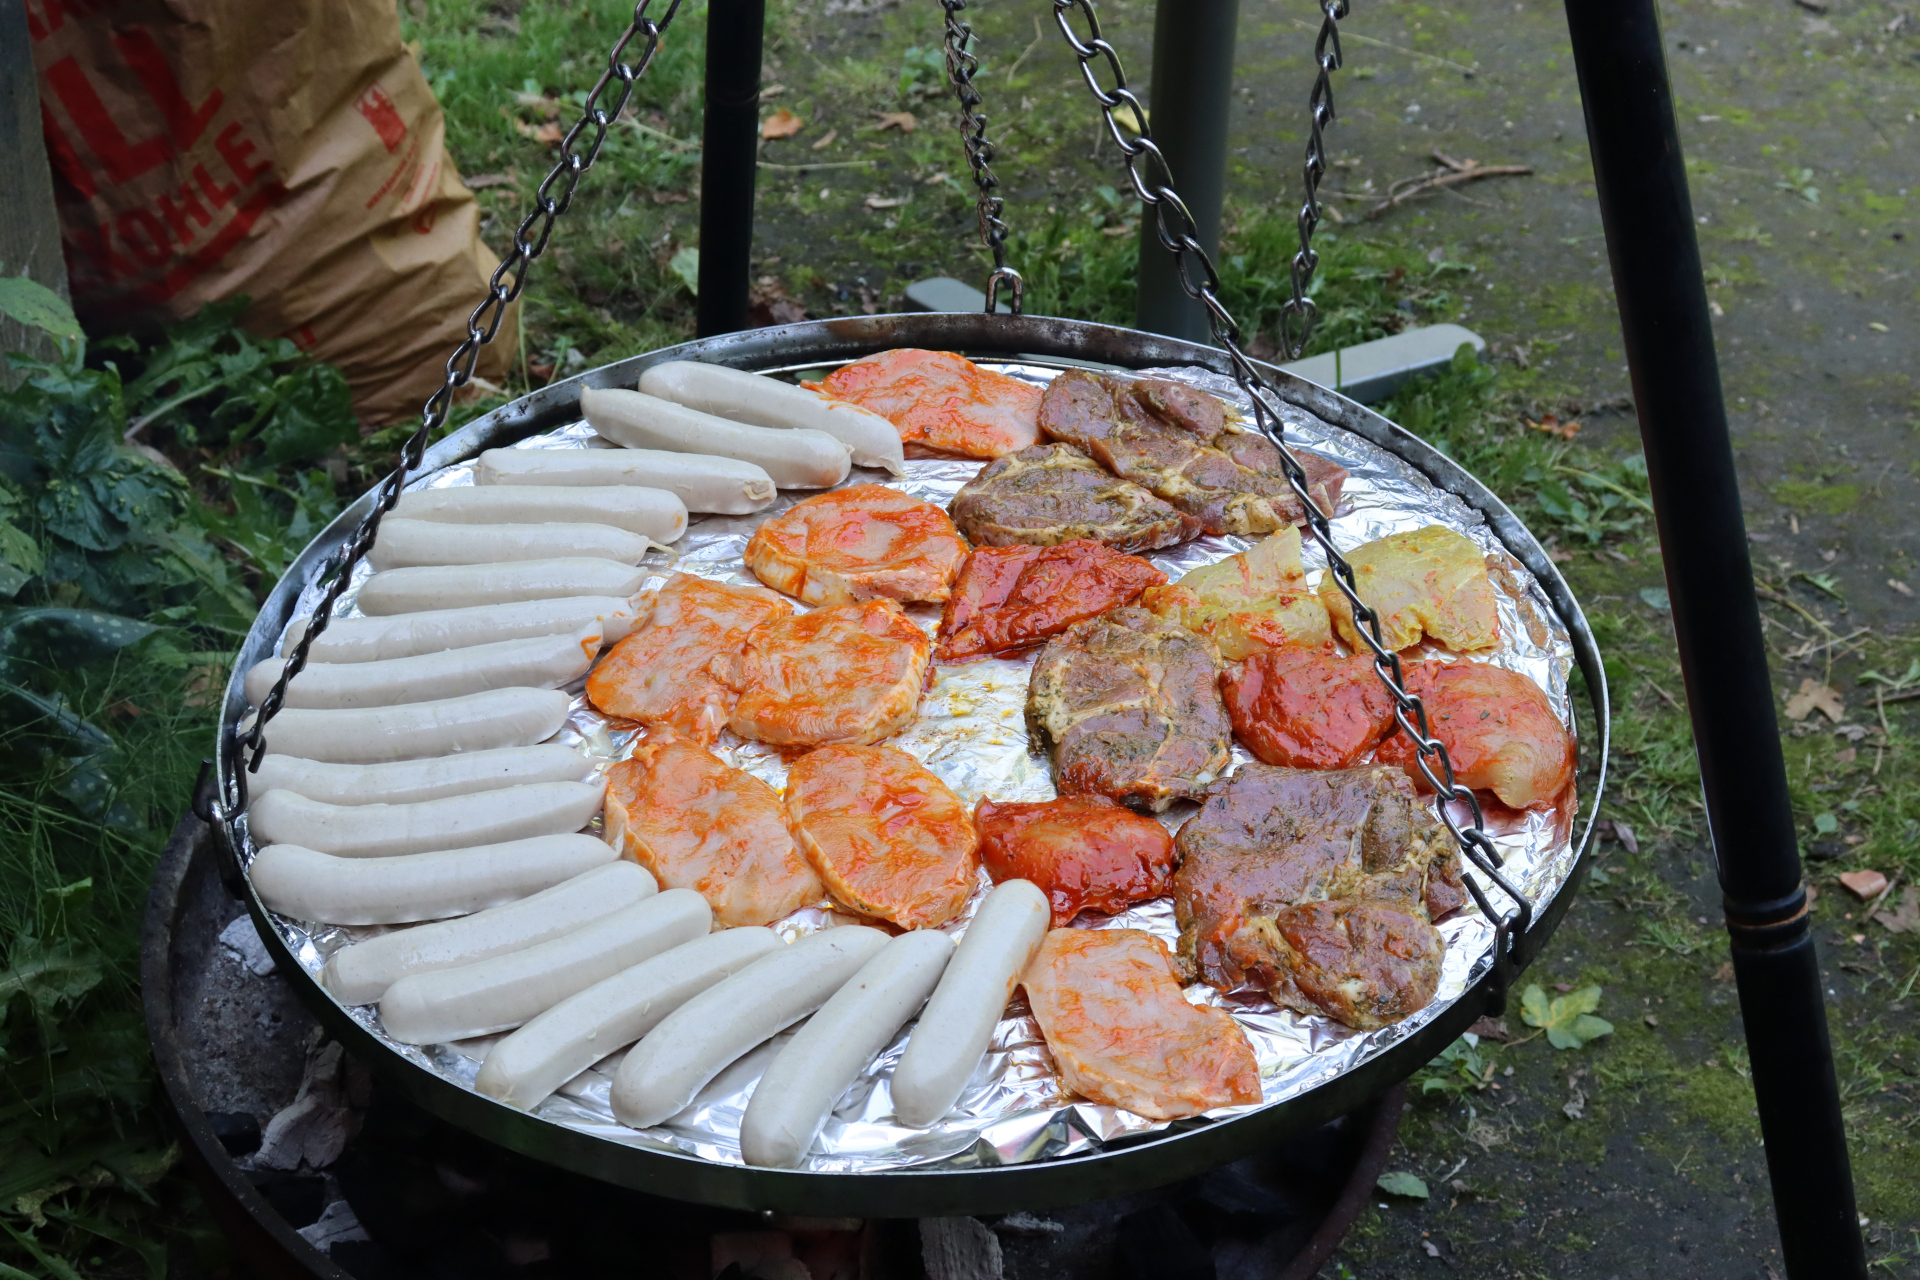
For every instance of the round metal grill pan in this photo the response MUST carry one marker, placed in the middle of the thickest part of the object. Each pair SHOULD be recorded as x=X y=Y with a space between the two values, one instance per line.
x=1120 y=1167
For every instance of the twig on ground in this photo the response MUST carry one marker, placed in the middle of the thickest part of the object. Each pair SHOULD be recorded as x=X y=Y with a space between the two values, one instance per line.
x=825 y=164
x=1038 y=35
x=1382 y=44
x=1450 y=173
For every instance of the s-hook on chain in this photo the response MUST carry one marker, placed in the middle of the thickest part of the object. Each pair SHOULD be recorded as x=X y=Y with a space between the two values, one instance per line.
x=961 y=67
x=1175 y=228
x=555 y=193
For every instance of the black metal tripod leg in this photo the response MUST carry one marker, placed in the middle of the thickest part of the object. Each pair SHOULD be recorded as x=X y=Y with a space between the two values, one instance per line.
x=1191 y=95
x=1648 y=212
x=730 y=141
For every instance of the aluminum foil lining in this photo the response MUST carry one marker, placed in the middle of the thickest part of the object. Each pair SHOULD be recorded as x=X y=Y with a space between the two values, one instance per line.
x=971 y=732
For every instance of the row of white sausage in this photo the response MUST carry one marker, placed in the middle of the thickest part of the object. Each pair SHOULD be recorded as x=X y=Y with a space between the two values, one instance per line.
x=601 y=960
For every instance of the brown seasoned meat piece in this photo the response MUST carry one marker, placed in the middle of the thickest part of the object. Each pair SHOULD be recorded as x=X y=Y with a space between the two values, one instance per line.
x=1316 y=885
x=1193 y=410
x=1155 y=437
x=1053 y=493
x=1129 y=704
x=1011 y=598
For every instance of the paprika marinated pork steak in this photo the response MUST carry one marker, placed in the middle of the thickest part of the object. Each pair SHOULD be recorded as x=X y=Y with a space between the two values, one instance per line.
x=1321 y=886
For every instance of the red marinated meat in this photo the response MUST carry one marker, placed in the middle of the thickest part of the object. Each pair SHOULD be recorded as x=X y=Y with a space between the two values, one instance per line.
x=1011 y=598
x=1307 y=708
x=1086 y=853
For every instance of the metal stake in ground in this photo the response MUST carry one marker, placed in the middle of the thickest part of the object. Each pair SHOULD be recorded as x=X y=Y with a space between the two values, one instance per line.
x=729 y=151
x=1642 y=183
x=1190 y=93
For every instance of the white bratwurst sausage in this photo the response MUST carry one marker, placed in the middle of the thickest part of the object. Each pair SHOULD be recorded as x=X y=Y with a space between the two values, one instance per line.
x=795 y=459
x=767 y=402
x=309 y=885
x=417 y=730
x=493 y=995
x=527 y=1066
x=362 y=972
x=406 y=781
x=541 y=662
x=695 y=1042
x=408 y=635
x=952 y=1034
x=632 y=507
x=408 y=543
x=797 y=1093
x=461 y=586
x=726 y=486
x=453 y=822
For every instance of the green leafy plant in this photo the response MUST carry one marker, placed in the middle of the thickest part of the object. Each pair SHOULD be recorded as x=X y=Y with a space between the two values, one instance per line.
x=1398 y=1182
x=1458 y=1069
x=923 y=71
x=1567 y=1020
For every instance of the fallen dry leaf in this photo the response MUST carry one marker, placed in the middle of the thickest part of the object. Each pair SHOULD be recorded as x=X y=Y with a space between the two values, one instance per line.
x=769 y=303
x=1550 y=424
x=826 y=140
x=481 y=181
x=1906 y=917
x=1725 y=972
x=781 y=124
x=889 y=202
x=1863 y=884
x=670 y=197
x=1814 y=697
x=1124 y=117
x=539 y=103
x=1900 y=586
x=772 y=91
x=901 y=120
x=548 y=134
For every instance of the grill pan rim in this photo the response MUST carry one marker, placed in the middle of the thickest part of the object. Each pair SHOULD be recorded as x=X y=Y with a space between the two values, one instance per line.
x=1121 y=1167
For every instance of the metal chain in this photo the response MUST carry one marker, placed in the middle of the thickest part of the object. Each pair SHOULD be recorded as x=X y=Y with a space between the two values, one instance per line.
x=551 y=199
x=1298 y=314
x=961 y=68
x=1175 y=228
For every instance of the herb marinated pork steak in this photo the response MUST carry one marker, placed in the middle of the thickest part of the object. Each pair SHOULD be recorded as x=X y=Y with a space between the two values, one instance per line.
x=1175 y=441
x=1129 y=705
x=1053 y=493
x=1321 y=886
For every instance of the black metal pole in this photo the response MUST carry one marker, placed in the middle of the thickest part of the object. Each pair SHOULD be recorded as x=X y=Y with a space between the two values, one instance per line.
x=1648 y=214
x=1188 y=97
x=730 y=140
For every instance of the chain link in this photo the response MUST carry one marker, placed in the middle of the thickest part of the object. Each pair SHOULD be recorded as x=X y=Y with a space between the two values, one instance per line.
x=1298 y=314
x=1175 y=228
x=551 y=199
x=962 y=66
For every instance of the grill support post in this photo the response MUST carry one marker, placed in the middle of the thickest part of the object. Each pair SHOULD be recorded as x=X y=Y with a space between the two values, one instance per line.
x=1189 y=96
x=1648 y=214
x=730 y=142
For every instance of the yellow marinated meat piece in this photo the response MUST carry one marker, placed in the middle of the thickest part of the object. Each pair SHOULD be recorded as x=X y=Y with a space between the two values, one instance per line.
x=1430 y=583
